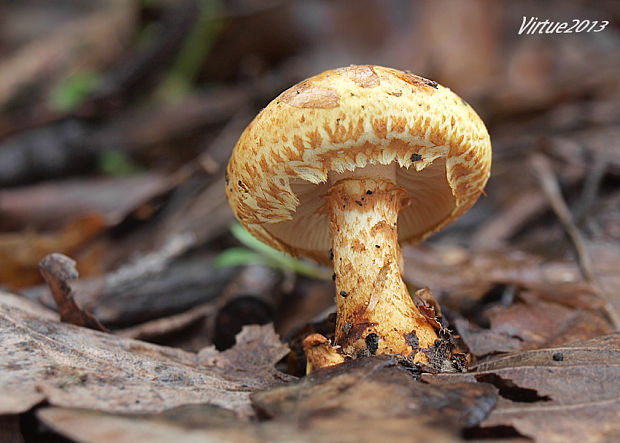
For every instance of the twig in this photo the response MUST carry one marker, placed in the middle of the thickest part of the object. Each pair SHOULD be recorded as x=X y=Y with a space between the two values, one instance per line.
x=551 y=188
x=154 y=262
x=496 y=231
x=592 y=185
x=57 y=270
x=167 y=325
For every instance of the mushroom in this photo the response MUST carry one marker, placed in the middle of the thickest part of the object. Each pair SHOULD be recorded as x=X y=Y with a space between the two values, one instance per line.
x=340 y=168
x=320 y=353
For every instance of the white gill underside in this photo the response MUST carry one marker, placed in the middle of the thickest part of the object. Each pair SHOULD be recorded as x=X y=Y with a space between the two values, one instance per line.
x=431 y=202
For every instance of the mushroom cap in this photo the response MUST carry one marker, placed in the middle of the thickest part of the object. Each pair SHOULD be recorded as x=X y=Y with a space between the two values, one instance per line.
x=429 y=139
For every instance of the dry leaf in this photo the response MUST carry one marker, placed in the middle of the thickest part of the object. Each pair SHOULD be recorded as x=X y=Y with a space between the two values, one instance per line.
x=369 y=399
x=251 y=361
x=204 y=423
x=482 y=342
x=465 y=275
x=374 y=389
x=529 y=324
x=568 y=393
x=43 y=359
x=20 y=252
x=52 y=204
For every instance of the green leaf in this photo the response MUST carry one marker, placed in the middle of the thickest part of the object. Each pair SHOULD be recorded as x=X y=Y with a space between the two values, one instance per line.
x=71 y=93
x=259 y=252
x=117 y=164
x=247 y=239
x=238 y=257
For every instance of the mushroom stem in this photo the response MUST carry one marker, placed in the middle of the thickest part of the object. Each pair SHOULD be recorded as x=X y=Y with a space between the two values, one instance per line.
x=376 y=314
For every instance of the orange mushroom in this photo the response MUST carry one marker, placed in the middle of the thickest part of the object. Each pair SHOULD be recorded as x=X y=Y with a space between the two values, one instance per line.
x=345 y=165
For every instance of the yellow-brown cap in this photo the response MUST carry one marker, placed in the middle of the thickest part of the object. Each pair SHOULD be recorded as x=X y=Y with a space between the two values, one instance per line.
x=344 y=120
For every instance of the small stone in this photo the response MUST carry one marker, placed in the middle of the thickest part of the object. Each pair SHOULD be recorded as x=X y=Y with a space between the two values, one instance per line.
x=372 y=343
x=346 y=328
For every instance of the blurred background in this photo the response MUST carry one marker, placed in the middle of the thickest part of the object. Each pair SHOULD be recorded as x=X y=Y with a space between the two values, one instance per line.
x=117 y=118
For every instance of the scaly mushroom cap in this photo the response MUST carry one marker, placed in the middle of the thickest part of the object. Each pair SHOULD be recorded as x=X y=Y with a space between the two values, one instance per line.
x=350 y=118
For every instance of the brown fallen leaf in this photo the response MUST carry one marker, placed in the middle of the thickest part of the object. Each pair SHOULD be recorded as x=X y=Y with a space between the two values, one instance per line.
x=66 y=365
x=528 y=324
x=57 y=270
x=374 y=389
x=200 y=423
x=567 y=393
x=50 y=205
x=482 y=342
x=362 y=400
x=251 y=361
x=20 y=252
x=205 y=423
x=464 y=276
